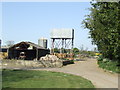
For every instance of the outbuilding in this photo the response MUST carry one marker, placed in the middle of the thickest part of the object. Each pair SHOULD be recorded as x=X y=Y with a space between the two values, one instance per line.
x=27 y=51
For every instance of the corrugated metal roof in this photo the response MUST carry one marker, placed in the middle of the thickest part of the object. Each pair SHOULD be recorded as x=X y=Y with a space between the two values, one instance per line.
x=28 y=43
x=4 y=46
x=35 y=45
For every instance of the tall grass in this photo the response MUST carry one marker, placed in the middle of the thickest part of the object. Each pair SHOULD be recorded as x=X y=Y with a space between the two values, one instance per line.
x=107 y=64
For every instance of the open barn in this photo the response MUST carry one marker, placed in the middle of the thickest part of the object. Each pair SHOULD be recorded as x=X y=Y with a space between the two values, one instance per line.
x=27 y=51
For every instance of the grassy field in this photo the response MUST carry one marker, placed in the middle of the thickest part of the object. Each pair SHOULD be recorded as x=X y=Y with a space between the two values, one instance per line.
x=42 y=79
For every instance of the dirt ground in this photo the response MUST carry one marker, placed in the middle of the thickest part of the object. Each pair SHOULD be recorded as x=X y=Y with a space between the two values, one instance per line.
x=90 y=70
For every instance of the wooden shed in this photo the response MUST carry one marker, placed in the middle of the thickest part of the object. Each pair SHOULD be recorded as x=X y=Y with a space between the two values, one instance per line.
x=30 y=50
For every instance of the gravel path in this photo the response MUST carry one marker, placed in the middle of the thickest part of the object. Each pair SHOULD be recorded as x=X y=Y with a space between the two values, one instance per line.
x=90 y=70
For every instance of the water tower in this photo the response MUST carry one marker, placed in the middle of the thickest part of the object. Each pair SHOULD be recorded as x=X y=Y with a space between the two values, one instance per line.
x=42 y=42
x=62 y=38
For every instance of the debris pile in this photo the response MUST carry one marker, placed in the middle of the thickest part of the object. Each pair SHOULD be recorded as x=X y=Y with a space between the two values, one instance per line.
x=51 y=61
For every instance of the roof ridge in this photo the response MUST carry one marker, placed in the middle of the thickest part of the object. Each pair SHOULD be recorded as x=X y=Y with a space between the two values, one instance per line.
x=30 y=43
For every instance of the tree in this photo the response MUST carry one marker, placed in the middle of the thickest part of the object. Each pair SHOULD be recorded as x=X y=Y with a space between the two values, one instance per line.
x=104 y=25
x=75 y=50
x=56 y=50
x=10 y=43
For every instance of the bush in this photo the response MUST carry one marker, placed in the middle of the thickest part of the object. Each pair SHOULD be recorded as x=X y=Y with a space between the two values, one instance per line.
x=109 y=65
x=100 y=58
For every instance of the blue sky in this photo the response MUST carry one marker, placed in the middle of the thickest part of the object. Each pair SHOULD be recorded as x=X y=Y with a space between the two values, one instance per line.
x=29 y=21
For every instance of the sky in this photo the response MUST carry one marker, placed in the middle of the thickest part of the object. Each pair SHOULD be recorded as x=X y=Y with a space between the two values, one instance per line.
x=29 y=21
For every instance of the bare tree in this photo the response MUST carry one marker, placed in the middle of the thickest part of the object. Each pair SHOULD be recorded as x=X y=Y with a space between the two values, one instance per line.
x=10 y=43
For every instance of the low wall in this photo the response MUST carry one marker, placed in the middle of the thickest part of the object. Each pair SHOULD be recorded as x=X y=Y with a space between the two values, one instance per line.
x=31 y=64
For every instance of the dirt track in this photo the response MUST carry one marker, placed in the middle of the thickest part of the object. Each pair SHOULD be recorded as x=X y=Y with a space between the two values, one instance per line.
x=90 y=70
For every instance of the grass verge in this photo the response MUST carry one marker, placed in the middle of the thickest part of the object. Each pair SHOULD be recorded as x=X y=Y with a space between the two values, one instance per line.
x=42 y=79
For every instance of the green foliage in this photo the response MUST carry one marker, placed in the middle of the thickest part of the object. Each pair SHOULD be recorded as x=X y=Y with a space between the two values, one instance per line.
x=42 y=79
x=56 y=50
x=87 y=53
x=91 y=53
x=75 y=50
x=100 y=58
x=109 y=65
x=104 y=25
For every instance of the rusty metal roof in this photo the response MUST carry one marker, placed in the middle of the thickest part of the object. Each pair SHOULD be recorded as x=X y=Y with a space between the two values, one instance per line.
x=35 y=45
x=27 y=44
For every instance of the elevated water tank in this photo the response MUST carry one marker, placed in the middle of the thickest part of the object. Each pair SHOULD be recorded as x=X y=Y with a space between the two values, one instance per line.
x=42 y=42
x=62 y=33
